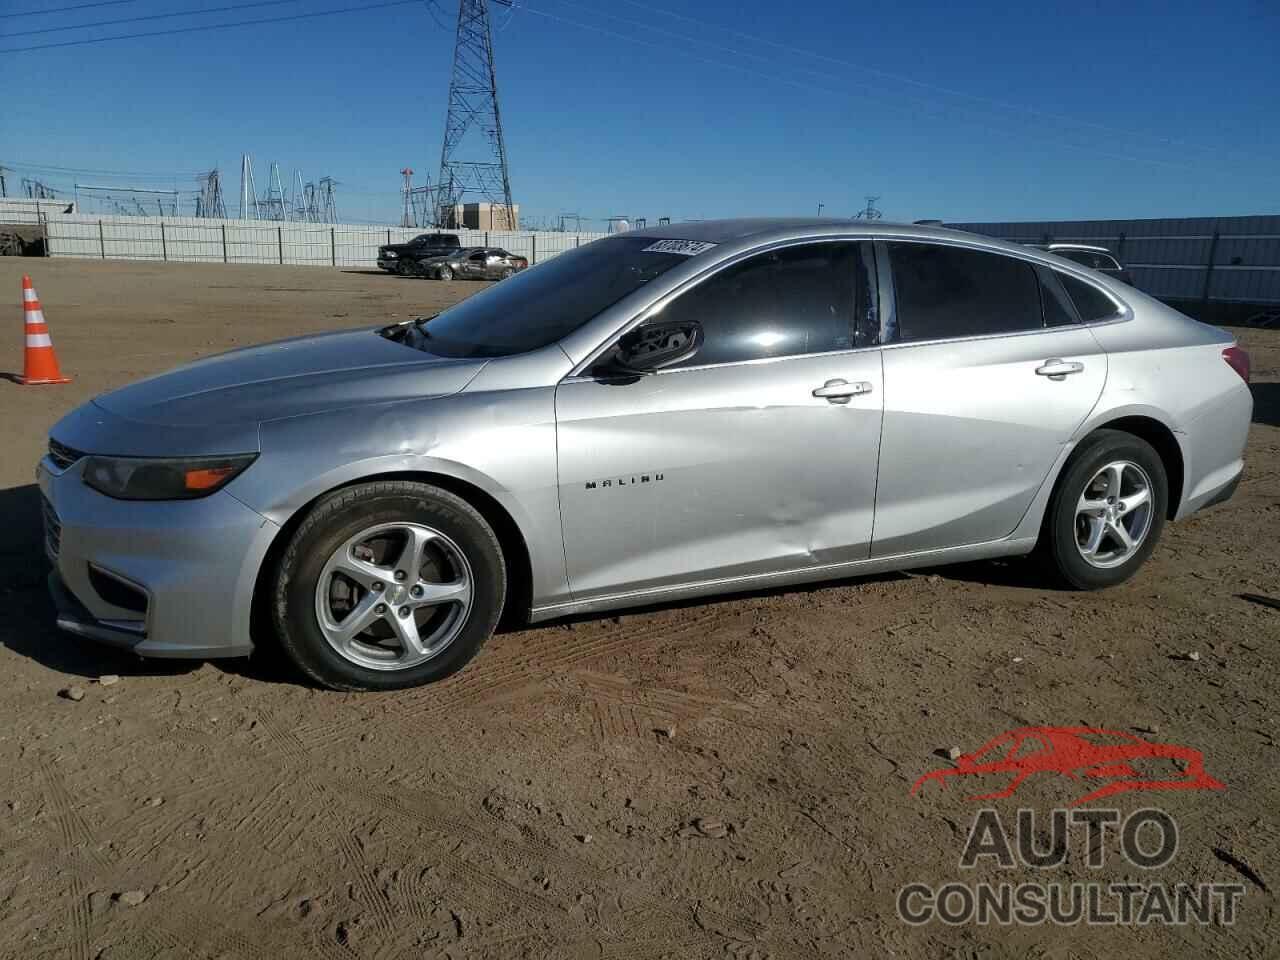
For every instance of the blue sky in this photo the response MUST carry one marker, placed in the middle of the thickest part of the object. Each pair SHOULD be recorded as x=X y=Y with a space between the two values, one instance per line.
x=725 y=107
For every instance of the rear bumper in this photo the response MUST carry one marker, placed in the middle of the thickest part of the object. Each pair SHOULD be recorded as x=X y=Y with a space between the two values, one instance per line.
x=1213 y=450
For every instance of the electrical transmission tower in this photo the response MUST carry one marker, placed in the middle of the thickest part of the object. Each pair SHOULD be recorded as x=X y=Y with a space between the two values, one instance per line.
x=328 y=204
x=209 y=202
x=273 y=205
x=248 y=193
x=870 y=213
x=474 y=166
x=407 y=218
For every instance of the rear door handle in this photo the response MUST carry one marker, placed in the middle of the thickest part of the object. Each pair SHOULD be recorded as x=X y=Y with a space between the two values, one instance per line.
x=1058 y=369
x=839 y=391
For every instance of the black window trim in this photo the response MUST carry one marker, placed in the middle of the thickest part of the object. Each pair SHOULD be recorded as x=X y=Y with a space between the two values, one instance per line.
x=888 y=291
x=583 y=371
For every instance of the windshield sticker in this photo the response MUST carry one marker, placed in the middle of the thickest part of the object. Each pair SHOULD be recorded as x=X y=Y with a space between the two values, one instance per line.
x=690 y=248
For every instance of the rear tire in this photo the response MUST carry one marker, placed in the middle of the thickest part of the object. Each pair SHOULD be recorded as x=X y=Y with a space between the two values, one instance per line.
x=1107 y=511
x=417 y=569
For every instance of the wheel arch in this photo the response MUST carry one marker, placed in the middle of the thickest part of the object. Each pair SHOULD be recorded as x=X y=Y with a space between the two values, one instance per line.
x=515 y=547
x=1165 y=442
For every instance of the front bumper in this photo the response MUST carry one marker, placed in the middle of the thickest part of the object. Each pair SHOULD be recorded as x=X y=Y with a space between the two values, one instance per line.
x=191 y=565
x=388 y=264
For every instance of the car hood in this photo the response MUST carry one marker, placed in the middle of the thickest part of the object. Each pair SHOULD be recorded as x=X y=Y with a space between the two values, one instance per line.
x=289 y=378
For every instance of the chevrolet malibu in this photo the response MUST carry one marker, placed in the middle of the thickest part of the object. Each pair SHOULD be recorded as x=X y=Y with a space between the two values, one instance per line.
x=692 y=410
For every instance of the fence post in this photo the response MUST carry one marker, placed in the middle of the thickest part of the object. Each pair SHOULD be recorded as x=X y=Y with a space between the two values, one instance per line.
x=534 y=259
x=280 y=243
x=333 y=248
x=164 y=247
x=1208 y=269
x=577 y=241
x=486 y=238
x=1120 y=249
x=102 y=241
x=224 y=243
x=388 y=236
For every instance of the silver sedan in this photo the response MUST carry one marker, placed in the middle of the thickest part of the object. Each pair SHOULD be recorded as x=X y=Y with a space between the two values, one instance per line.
x=679 y=412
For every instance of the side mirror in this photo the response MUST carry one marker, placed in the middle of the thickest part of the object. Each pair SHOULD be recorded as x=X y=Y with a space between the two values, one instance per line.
x=652 y=346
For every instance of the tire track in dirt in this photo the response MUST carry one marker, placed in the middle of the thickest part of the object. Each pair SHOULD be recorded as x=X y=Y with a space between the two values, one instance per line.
x=529 y=856
x=549 y=653
x=72 y=828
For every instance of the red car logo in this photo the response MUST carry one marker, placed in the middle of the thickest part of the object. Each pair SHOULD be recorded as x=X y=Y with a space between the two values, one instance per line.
x=1077 y=752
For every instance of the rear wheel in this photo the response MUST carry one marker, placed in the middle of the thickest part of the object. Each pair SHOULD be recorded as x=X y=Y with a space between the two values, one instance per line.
x=388 y=584
x=506 y=273
x=1107 y=511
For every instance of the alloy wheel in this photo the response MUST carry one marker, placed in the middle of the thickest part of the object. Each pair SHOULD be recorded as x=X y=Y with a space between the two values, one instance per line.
x=1113 y=514
x=394 y=595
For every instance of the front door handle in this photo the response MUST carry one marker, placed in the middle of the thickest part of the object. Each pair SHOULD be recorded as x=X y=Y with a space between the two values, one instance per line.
x=839 y=391
x=1058 y=369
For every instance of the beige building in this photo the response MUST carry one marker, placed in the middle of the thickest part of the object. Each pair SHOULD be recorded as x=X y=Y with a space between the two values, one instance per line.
x=485 y=216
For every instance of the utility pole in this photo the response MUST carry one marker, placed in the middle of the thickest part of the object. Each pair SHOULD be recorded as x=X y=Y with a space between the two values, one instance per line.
x=820 y=206
x=210 y=203
x=4 y=190
x=478 y=167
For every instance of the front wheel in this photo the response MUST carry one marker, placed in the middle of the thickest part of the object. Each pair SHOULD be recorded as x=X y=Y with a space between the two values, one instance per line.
x=444 y=273
x=388 y=584
x=1107 y=510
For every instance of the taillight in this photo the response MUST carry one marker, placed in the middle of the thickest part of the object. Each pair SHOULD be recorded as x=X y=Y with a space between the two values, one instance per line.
x=1238 y=359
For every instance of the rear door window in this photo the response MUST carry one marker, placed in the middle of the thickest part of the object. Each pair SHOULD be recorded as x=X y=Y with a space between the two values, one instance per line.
x=944 y=292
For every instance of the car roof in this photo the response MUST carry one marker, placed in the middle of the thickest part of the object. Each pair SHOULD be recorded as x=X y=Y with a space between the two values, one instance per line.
x=769 y=229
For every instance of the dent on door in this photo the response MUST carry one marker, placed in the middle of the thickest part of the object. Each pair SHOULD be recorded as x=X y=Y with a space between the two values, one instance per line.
x=717 y=473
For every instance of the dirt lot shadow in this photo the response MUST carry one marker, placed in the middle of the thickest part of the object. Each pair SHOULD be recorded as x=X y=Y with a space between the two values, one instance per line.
x=1266 y=403
x=28 y=628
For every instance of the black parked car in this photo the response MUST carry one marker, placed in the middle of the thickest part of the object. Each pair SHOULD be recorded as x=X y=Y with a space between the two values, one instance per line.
x=403 y=258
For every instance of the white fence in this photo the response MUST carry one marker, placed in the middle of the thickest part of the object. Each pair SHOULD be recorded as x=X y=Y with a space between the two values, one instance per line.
x=199 y=240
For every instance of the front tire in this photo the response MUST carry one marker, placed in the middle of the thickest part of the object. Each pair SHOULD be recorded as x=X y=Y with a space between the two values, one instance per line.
x=444 y=273
x=1107 y=510
x=388 y=584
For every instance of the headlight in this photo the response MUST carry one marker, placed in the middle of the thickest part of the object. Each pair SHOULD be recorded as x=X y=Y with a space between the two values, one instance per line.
x=141 y=478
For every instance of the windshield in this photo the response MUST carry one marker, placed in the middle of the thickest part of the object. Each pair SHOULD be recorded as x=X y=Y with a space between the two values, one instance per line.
x=537 y=307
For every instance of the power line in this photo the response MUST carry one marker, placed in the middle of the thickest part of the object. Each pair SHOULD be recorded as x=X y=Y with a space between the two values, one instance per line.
x=45 y=167
x=211 y=26
x=74 y=6
x=150 y=16
x=937 y=88
x=793 y=81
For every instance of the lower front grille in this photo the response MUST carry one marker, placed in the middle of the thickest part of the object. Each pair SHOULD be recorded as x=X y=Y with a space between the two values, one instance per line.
x=52 y=529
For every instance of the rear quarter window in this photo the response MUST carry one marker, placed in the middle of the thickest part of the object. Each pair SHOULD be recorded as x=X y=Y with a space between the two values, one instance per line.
x=1092 y=304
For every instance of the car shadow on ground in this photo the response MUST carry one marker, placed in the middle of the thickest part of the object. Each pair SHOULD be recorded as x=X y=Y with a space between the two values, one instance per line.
x=1266 y=403
x=28 y=629
x=371 y=273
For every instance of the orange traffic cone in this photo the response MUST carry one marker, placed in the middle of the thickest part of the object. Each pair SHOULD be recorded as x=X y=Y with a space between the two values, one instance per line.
x=40 y=365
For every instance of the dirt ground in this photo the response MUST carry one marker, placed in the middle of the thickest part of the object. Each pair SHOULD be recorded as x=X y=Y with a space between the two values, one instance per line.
x=720 y=779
